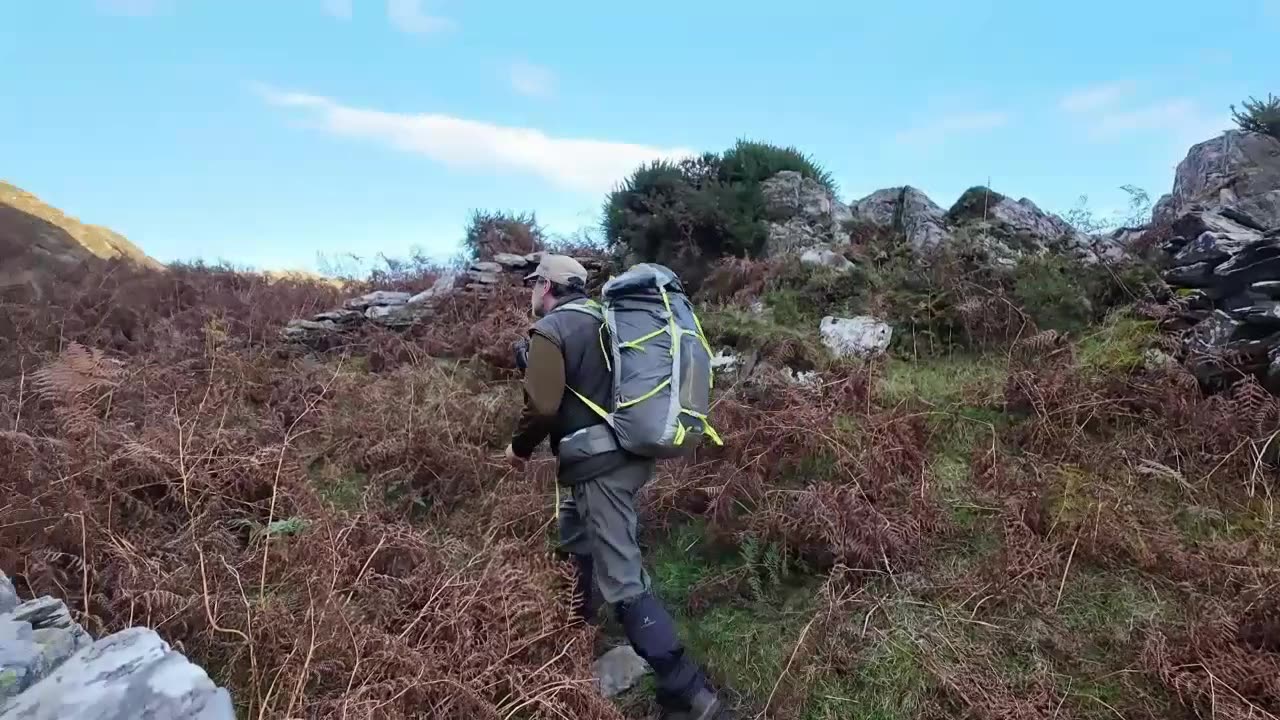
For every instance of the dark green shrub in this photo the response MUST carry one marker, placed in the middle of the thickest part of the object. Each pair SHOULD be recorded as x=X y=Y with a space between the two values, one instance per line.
x=1261 y=116
x=691 y=213
x=754 y=162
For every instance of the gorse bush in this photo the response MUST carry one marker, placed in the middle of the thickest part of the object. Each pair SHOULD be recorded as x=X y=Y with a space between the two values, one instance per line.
x=490 y=233
x=1260 y=116
x=688 y=214
x=752 y=162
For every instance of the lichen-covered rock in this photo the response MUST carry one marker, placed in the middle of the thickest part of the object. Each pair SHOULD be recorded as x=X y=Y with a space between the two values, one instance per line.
x=861 y=336
x=826 y=257
x=618 y=670
x=906 y=210
x=802 y=212
x=1237 y=170
x=130 y=674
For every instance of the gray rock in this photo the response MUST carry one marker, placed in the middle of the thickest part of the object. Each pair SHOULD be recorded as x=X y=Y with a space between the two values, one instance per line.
x=1255 y=263
x=377 y=298
x=510 y=261
x=443 y=285
x=1265 y=314
x=131 y=674
x=1215 y=332
x=618 y=670
x=43 y=612
x=1238 y=170
x=795 y=234
x=1268 y=288
x=1165 y=210
x=1213 y=247
x=35 y=638
x=341 y=317
x=861 y=336
x=906 y=210
x=790 y=194
x=802 y=212
x=1196 y=223
x=8 y=595
x=301 y=328
x=826 y=257
x=484 y=273
x=399 y=316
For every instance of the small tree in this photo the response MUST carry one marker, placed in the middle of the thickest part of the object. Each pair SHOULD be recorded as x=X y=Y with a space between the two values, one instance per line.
x=1259 y=116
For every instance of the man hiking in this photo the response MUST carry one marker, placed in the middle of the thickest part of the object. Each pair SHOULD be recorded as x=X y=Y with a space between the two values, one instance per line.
x=597 y=516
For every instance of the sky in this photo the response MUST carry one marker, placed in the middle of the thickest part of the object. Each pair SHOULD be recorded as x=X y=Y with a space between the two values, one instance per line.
x=276 y=133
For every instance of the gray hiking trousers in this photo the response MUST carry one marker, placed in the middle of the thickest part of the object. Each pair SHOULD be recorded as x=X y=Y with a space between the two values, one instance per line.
x=598 y=518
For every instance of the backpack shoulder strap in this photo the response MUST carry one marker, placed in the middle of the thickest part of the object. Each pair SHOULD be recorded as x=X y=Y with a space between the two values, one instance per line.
x=588 y=307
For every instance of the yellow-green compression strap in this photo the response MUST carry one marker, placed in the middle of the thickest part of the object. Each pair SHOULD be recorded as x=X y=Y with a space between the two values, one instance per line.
x=594 y=407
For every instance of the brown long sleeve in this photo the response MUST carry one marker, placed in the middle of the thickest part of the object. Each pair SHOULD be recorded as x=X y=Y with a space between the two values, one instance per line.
x=543 y=390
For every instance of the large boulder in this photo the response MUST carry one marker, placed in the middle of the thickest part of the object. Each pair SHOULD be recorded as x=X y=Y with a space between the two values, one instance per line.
x=802 y=212
x=1236 y=172
x=908 y=211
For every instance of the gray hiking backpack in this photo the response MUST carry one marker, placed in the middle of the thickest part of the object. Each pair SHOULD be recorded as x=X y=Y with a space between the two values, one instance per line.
x=661 y=363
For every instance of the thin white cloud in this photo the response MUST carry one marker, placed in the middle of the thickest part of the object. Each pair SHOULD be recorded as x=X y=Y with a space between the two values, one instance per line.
x=948 y=125
x=531 y=80
x=1180 y=119
x=581 y=164
x=132 y=8
x=340 y=9
x=411 y=17
x=1095 y=97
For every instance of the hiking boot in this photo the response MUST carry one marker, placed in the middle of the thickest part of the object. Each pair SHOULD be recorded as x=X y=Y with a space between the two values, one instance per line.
x=705 y=705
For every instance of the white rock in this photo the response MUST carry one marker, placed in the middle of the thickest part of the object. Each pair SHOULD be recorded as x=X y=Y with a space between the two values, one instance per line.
x=725 y=359
x=823 y=256
x=619 y=670
x=806 y=378
x=861 y=336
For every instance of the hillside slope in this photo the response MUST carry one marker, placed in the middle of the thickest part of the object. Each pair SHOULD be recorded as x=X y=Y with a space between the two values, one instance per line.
x=37 y=238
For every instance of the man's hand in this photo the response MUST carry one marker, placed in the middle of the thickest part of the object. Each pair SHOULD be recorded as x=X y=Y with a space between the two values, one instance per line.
x=514 y=460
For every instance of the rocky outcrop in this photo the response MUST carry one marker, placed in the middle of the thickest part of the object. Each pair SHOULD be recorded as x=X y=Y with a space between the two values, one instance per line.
x=907 y=211
x=1218 y=239
x=400 y=310
x=51 y=669
x=1236 y=174
x=1002 y=227
x=802 y=213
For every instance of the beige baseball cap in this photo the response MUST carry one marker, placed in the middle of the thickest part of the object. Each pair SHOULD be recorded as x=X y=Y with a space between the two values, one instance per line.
x=560 y=269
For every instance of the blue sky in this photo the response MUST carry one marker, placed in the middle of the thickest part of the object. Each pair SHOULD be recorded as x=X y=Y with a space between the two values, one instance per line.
x=269 y=132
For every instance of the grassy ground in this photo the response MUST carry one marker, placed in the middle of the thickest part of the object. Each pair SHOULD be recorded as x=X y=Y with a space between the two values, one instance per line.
x=942 y=638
